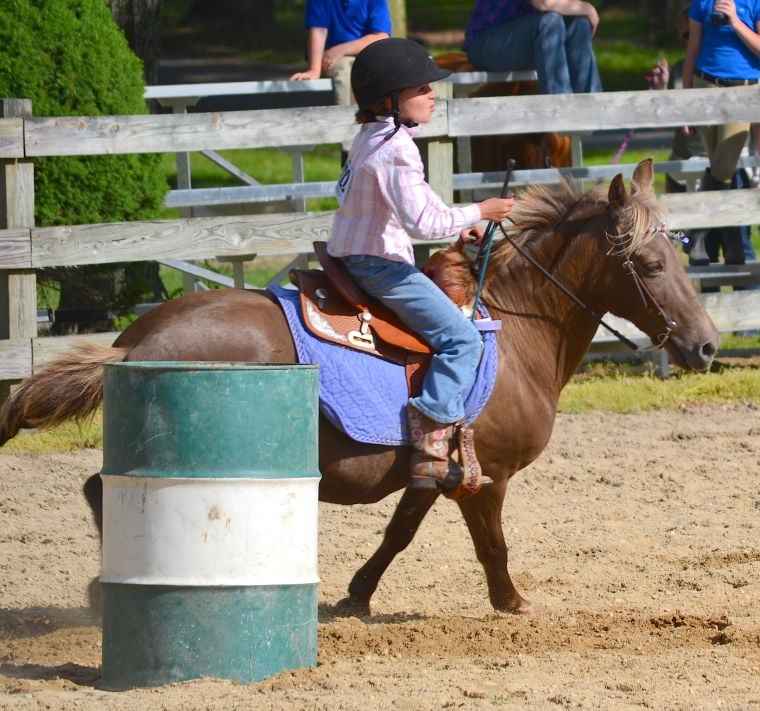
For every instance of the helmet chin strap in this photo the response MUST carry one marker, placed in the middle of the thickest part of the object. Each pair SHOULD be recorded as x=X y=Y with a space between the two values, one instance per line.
x=397 y=122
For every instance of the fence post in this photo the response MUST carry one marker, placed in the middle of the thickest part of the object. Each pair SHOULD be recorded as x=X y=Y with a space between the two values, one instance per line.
x=438 y=155
x=438 y=159
x=18 y=287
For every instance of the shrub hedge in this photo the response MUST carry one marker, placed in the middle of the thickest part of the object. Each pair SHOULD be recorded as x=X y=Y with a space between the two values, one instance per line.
x=71 y=59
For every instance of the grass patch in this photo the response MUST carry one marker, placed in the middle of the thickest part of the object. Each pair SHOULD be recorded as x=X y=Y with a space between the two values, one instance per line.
x=740 y=341
x=258 y=272
x=612 y=389
x=68 y=437
x=266 y=165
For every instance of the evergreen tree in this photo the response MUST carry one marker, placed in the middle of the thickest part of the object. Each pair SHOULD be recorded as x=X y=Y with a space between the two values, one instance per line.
x=71 y=59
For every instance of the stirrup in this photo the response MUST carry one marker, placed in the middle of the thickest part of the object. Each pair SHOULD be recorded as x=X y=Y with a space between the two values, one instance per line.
x=453 y=480
x=465 y=477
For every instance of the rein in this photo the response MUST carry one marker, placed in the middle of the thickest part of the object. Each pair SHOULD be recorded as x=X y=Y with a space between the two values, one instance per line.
x=644 y=292
x=480 y=265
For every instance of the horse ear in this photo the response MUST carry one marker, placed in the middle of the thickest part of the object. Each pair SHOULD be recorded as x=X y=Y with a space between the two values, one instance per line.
x=641 y=180
x=617 y=194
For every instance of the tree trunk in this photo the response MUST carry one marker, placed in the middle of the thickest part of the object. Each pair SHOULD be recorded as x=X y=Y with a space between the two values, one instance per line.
x=398 y=17
x=140 y=20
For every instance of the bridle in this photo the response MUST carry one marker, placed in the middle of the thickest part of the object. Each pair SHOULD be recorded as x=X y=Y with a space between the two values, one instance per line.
x=645 y=293
x=647 y=298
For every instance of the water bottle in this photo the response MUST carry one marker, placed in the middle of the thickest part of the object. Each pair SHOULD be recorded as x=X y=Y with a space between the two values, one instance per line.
x=718 y=18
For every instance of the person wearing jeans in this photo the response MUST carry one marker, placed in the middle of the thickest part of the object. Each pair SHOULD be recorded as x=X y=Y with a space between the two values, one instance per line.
x=440 y=322
x=384 y=203
x=554 y=37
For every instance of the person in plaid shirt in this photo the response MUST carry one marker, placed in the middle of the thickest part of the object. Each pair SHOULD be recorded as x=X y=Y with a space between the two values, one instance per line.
x=385 y=202
x=551 y=36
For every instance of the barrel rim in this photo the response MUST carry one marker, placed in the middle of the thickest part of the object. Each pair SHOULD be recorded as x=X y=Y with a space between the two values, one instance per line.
x=209 y=365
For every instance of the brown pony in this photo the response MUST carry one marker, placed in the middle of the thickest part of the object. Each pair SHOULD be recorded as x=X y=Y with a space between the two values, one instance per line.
x=601 y=247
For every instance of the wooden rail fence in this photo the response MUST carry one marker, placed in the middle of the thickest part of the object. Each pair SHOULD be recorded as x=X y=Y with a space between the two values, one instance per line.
x=25 y=137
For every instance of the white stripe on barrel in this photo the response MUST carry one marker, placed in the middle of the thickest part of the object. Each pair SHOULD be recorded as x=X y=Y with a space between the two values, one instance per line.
x=209 y=531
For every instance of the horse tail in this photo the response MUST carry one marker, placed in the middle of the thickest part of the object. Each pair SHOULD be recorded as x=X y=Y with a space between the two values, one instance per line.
x=70 y=387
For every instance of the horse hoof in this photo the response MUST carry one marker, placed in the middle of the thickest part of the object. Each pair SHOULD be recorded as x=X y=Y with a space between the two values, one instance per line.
x=521 y=607
x=526 y=607
x=348 y=607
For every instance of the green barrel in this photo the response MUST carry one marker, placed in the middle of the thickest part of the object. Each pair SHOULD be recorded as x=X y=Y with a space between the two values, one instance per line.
x=210 y=516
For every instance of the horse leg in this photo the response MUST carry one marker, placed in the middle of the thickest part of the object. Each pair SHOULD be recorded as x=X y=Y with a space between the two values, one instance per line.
x=93 y=492
x=483 y=516
x=411 y=509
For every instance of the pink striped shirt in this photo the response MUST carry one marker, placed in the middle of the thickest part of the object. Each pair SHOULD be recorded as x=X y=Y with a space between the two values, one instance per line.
x=385 y=201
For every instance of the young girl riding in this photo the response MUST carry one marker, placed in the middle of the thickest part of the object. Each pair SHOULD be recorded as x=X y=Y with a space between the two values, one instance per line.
x=384 y=203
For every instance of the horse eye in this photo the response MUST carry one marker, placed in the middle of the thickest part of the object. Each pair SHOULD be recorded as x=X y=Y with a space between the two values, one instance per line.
x=654 y=267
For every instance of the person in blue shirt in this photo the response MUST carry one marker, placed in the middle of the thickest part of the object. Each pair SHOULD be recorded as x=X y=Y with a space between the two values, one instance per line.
x=723 y=51
x=337 y=31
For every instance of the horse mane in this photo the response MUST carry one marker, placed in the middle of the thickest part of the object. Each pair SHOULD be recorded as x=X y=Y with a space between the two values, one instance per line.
x=544 y=209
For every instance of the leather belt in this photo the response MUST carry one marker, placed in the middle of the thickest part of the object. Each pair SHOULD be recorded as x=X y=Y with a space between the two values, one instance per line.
x=718 y=81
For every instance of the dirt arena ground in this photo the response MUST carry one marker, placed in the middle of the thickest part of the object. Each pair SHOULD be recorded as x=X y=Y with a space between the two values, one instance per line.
x=640 y=534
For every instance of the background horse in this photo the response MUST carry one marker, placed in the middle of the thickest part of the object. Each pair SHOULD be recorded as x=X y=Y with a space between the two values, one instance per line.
x=528 y=150
x=604 y=248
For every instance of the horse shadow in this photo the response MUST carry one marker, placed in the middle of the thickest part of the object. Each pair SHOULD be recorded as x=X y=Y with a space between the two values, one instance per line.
x=339 y=611
x=27 y=623
x=75 y=673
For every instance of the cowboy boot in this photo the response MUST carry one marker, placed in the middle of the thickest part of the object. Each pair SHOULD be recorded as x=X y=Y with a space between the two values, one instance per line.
x=431 y=464
x=443 y=457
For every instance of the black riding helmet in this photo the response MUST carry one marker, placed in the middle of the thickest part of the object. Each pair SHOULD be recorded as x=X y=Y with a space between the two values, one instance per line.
x=390 y=65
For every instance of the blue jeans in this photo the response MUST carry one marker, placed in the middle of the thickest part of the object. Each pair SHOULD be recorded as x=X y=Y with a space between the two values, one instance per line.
x=425 y=309
x=558 y=47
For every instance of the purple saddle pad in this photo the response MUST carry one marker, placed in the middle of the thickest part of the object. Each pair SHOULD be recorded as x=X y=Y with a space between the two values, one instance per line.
x=366 y=396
